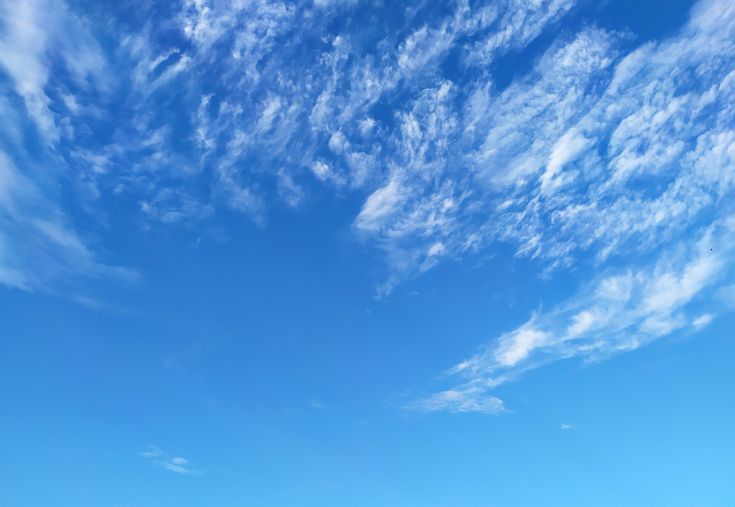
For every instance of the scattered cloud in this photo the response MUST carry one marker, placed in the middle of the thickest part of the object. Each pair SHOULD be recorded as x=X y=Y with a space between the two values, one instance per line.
x=465 y=399
x=176 y=464
x=604 y=156
x=703 y=320
x=269 y=115
x=619 y=311
x=39 y=248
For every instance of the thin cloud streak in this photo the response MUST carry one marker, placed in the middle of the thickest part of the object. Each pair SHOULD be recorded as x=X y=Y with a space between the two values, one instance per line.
x=176 y=464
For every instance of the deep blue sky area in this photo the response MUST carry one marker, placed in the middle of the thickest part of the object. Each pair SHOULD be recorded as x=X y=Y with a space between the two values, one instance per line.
x=367 y=253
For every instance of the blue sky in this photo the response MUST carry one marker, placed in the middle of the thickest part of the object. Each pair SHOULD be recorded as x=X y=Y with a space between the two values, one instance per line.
x=367 y=253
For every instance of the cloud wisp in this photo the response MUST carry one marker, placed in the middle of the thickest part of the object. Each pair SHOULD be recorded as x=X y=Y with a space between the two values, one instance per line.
x=176 y=464
x=665 y=249
x=40 y=247
x=598 y=153
x=274 y=117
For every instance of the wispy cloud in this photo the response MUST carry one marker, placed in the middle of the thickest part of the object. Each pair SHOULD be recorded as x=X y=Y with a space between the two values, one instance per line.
x=308 y=117
x=37 y=32
x=611 y=159
x=461 y=400
x=176 y=464
x=618 y=312
x=585 y=191
x=40 y=247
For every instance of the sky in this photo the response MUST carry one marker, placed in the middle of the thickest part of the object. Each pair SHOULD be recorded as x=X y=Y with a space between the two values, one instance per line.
x=367 y=253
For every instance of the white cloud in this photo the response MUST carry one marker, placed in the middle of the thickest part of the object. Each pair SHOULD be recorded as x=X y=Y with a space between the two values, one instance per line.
x=459 y=401
x=566 y=149
x=367 y=125
x=22 y=52
x=703 y=320
x=519 y=344
x=39 y=248
x=338 y=143
x=290 y=192
x=321 y=170
x=520 y=23
x=271 y=109
x=172 y=206
x=36 y=34
x=572 y=150
x=379 y=206
x=329 y=3
x=176 y=464
x=593 y=157
x=614 y=313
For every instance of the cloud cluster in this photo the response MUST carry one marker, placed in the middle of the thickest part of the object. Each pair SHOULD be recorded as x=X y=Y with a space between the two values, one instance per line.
x=634 y=169
x=600 y=154
x=40 y=248
x=617 y=312
x=237 y=105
